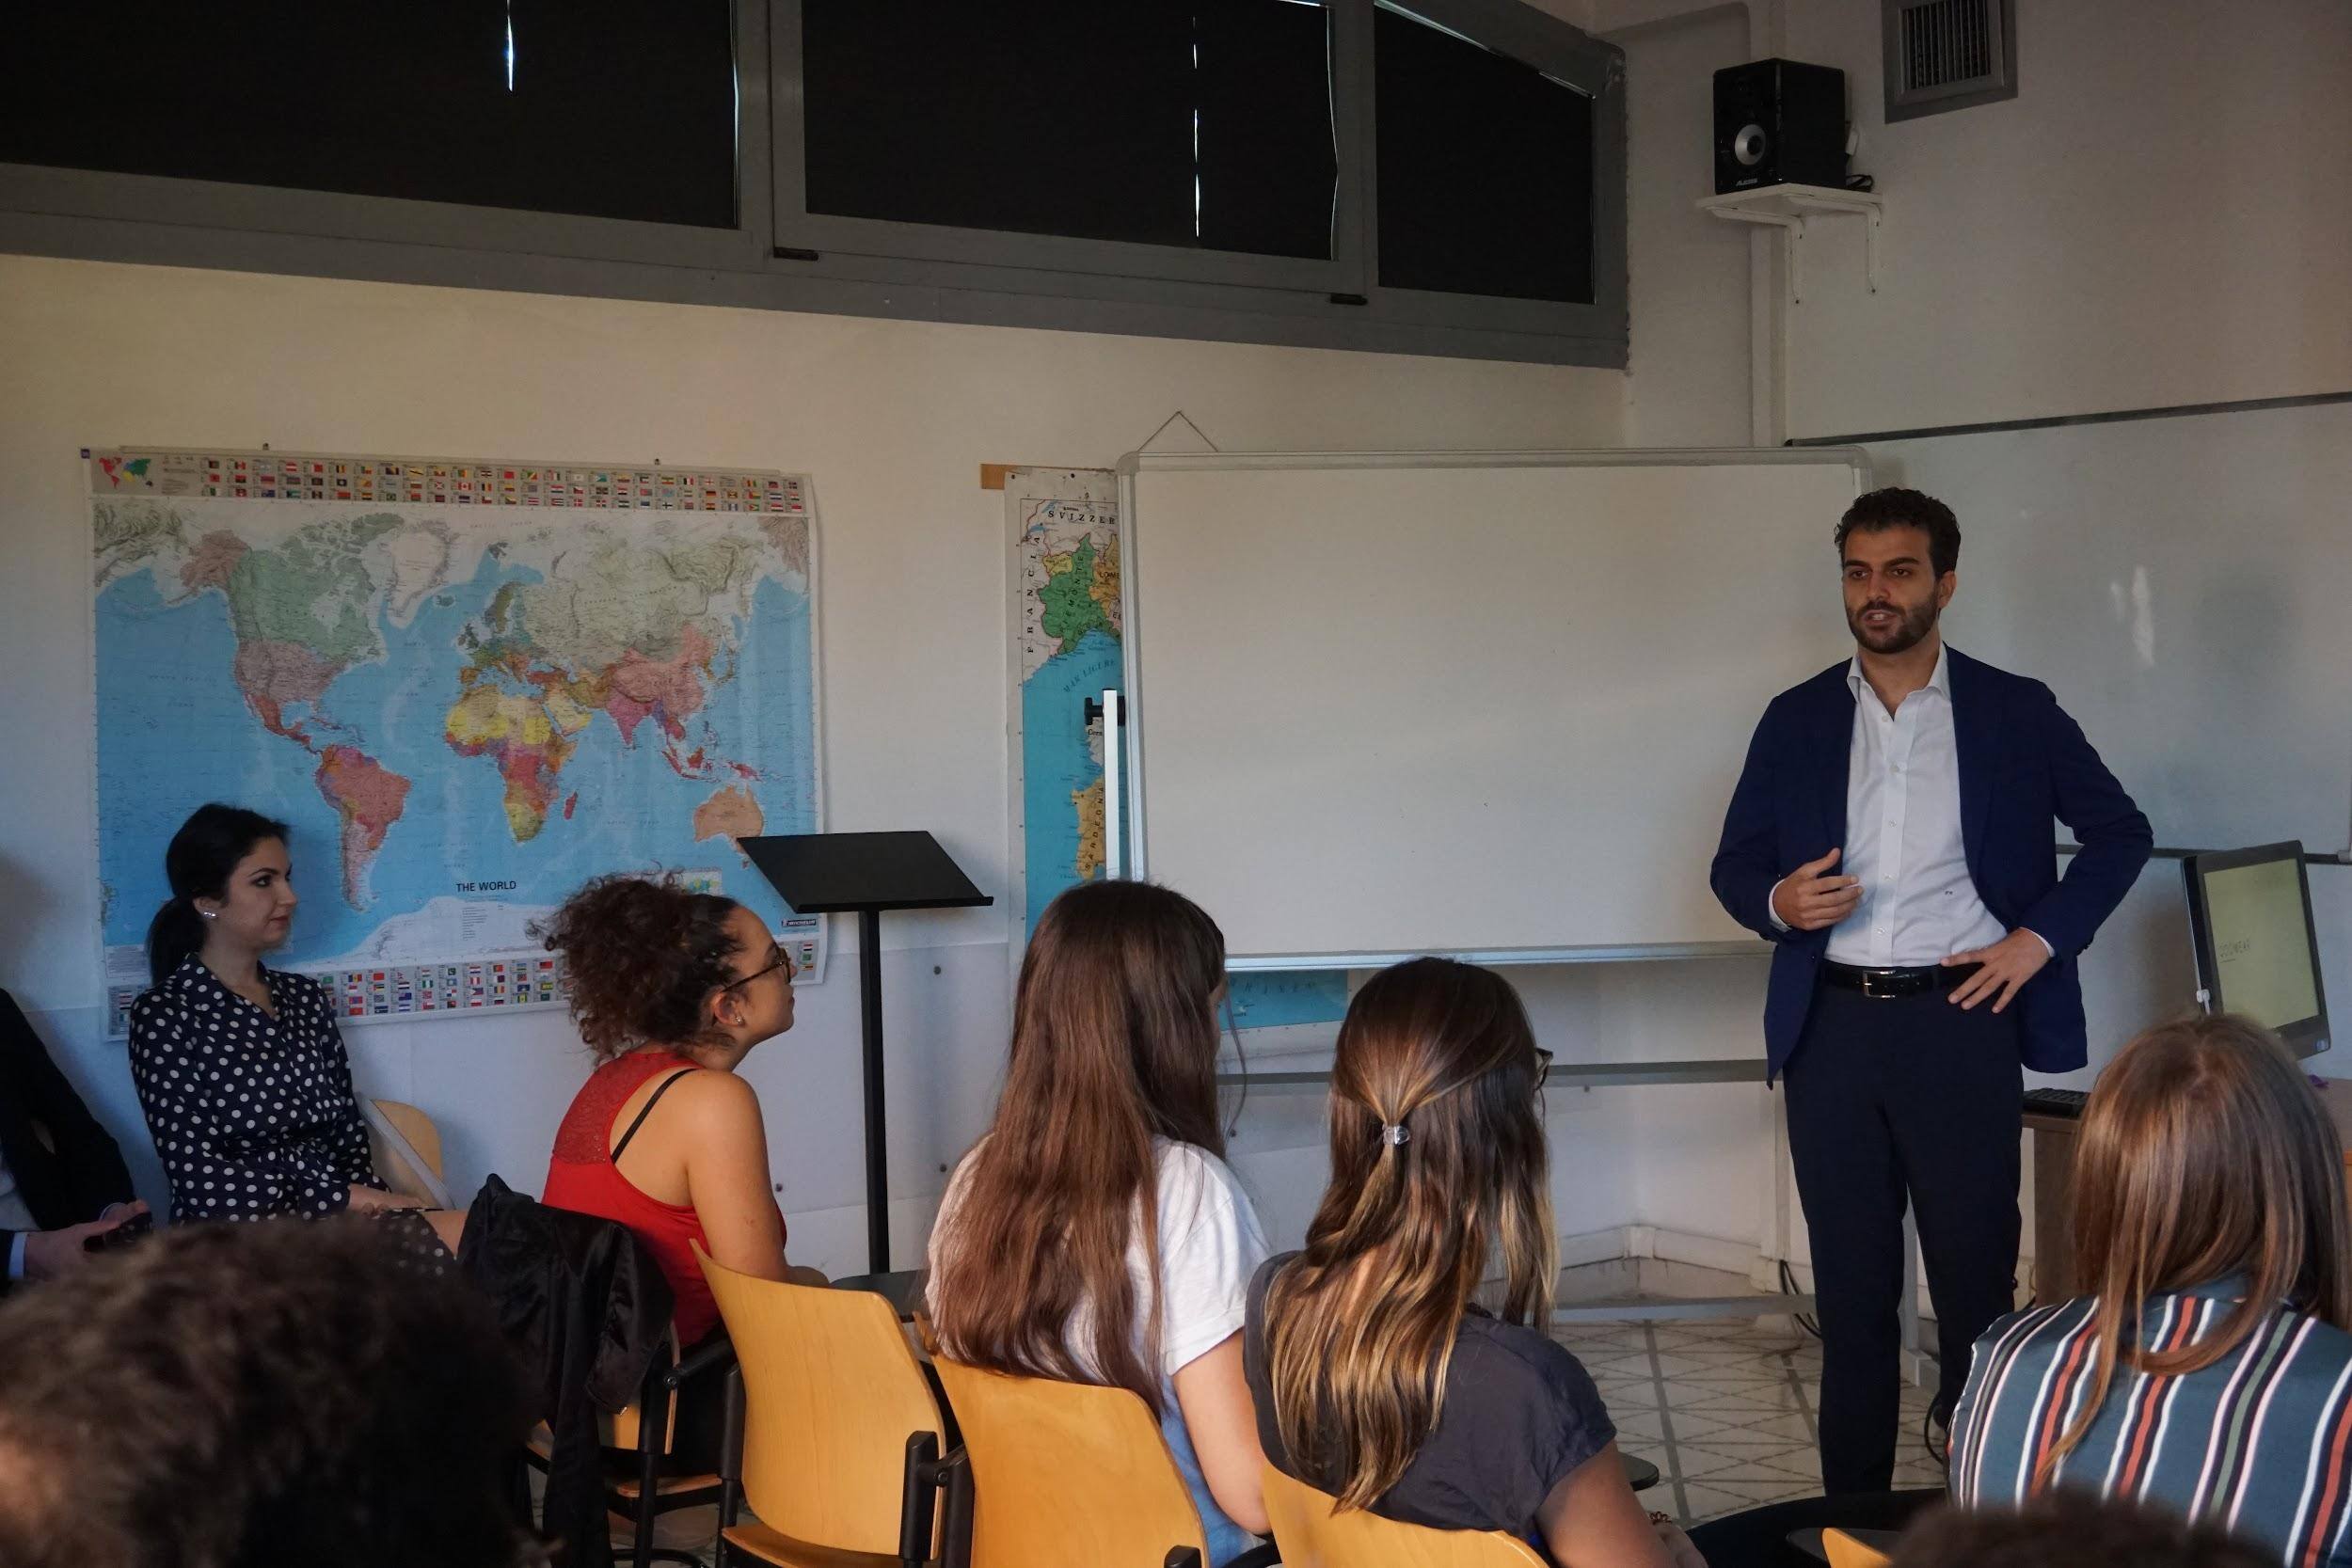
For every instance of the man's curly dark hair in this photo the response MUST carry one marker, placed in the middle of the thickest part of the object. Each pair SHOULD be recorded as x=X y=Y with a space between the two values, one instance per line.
x=1895 y=507
x=236 y=1396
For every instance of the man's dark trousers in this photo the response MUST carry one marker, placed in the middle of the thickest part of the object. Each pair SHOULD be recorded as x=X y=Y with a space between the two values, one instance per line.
x=1889 y=1096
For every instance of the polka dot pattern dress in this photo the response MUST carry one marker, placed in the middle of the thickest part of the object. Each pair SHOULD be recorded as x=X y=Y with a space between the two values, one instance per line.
x=252 y=1116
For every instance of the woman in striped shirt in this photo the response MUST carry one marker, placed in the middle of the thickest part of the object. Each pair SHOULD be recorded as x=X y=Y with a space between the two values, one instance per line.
x=2211 y=1374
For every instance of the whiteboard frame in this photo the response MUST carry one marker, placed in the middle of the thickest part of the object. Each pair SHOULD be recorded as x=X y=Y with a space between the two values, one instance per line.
x=1135 y=463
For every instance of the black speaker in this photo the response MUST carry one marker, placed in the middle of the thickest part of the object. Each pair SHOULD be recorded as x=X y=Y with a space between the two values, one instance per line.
x=1779 y=123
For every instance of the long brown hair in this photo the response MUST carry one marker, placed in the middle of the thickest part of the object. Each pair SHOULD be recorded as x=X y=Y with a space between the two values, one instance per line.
x=1114 y=1043
x=2203 y=1155
x=1438 y=1161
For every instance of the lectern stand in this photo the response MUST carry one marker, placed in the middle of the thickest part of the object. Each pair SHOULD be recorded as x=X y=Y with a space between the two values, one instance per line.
x=865 y=873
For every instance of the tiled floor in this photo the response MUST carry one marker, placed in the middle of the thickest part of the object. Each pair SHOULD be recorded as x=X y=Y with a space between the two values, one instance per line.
x=1724 y=1410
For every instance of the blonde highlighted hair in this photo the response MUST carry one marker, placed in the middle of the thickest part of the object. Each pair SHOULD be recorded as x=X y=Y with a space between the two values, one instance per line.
x=2203 y=1155
x=1438 y=1163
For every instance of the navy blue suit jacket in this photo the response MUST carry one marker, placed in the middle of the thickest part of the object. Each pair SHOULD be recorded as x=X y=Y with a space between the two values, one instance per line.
x=2022 y=762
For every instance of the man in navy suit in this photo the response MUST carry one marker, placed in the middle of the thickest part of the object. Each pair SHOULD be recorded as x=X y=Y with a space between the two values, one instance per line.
x=1891 y=835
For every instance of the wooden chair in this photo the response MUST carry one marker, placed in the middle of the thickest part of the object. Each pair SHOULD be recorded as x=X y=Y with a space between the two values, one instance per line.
x=1068 y=1472
x=838 y=1450
x=1838 y=1548
x=391 y=1161
x=644 y=1493
x=1845 y=1551
x=1314 y=1533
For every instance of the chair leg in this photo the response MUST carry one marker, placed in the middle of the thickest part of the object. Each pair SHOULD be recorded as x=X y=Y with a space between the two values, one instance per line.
x=730 y=1465
x=648 y=1476
x=653 y=1420
x=918 y=1498
x=955 y=1526
x=519 y=1494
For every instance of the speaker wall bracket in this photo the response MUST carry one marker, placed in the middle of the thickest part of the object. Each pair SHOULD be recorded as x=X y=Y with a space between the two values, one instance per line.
x=1791 y=209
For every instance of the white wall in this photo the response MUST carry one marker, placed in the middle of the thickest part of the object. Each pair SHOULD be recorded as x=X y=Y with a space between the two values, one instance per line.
x=891 y=419
x=2160 y=216
x=1688 y=373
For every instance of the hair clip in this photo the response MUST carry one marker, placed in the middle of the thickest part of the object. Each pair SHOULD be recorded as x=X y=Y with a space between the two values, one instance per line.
x=1394 y=1134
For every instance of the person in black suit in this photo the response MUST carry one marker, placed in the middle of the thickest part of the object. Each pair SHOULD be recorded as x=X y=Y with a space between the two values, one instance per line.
x=62 y=1179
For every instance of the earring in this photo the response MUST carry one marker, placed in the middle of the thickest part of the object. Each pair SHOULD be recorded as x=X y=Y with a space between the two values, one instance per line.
x=208 y=914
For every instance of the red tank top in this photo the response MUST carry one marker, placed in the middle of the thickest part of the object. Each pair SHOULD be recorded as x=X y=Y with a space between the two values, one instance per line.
x=583 y=1178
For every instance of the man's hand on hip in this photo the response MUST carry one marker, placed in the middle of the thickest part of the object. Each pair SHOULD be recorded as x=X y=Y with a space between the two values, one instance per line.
x=1809 y=898
x=2009 y=963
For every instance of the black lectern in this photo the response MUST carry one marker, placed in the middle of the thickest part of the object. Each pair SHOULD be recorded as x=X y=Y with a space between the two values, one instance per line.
x=865 y=874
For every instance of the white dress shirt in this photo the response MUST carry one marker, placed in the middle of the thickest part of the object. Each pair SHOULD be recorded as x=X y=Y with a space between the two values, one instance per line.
x=1919 y=906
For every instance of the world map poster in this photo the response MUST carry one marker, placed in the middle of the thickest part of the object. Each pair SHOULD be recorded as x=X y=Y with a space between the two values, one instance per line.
x=467 y=687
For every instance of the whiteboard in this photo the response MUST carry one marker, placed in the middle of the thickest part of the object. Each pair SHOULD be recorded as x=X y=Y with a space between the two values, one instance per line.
x=1484 y=704
x=2185 y=585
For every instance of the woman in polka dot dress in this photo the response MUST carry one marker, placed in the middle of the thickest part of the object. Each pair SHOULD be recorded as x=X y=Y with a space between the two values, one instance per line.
x=241 y=1069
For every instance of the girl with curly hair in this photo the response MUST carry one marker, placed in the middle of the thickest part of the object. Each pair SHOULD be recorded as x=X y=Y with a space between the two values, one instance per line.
x=671 y=989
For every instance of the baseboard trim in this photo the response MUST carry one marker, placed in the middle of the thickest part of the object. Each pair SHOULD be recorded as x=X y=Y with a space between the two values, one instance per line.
x=1598 y=1247
x=1636 y=1242
x=1620 y=1243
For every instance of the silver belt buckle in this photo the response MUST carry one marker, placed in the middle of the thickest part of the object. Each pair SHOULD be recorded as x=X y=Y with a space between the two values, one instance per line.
x=1870 y=978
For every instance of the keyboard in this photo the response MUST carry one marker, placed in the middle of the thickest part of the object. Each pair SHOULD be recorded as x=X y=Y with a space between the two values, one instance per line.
x=2057 y=1103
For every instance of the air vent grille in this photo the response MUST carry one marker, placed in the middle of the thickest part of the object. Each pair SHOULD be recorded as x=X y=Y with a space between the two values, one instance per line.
x=1947 y=55
x=1947 y=43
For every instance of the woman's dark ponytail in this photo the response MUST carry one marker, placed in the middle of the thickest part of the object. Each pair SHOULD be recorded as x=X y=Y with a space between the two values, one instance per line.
x=203 y=852
x=176 y=931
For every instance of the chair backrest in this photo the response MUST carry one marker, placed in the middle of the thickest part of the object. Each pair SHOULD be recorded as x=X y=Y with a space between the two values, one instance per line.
x=415 y=1130
x=1846 y=1552
x=831 y=1395
x=1067 y=1472
x=1312 y=1533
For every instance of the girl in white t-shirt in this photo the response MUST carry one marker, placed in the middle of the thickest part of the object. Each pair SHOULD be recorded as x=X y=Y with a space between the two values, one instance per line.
x=1095 y=1234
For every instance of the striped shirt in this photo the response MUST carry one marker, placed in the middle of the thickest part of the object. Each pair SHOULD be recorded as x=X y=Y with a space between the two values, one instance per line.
x=2260 y=1443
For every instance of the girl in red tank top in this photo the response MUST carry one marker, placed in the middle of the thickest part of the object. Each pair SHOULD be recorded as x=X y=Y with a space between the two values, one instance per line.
x=584 y=1175
x=670 y=986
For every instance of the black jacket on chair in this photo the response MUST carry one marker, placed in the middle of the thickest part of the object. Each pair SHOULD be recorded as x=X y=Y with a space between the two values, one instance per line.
x=67 y=1167
x=584 y=1305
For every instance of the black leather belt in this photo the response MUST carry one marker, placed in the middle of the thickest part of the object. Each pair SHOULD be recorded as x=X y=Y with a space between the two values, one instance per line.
x=1885 y=984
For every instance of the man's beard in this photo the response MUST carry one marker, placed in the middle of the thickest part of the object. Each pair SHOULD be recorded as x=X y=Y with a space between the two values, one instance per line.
x=1904 y=635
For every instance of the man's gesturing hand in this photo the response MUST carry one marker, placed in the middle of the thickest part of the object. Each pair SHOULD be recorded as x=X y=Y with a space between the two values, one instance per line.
x=2009 y=963
x=1809 y=898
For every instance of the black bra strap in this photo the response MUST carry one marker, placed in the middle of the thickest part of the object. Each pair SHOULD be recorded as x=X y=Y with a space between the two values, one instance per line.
x=651 y=1101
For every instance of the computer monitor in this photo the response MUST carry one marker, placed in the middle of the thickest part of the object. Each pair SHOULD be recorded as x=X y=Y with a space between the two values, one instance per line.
x=2249 y=913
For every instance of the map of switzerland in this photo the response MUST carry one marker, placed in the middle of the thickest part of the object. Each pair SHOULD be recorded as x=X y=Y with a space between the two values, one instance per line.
x=462 y=713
